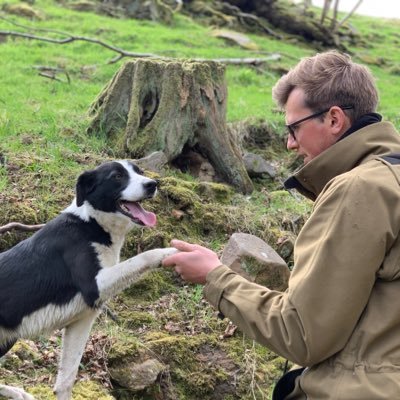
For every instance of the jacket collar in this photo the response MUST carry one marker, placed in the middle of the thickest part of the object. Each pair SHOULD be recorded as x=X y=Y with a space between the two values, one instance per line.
x=365 y=120
x=352 y=149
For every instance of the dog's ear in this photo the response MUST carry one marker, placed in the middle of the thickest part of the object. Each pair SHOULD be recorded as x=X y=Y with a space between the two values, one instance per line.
x=86 y=184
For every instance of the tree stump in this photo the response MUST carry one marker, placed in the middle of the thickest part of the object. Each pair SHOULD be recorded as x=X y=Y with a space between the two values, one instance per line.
x=158 y=105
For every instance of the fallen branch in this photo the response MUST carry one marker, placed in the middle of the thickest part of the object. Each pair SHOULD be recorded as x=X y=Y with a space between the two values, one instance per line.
x=20 y=227
x=243 y=61
x=121 y=52
x=72 y=38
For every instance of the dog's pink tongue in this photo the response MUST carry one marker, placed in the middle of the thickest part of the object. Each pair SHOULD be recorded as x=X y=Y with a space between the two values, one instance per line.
x=138 y=212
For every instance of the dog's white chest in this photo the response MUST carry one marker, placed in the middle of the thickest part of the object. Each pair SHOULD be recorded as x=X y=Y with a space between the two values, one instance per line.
x=107 y=255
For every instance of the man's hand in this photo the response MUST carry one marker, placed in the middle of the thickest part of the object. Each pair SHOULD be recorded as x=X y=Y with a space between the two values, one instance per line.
x=193 y=262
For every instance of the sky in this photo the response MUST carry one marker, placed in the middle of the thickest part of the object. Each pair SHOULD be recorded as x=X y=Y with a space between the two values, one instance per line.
x=375 y=8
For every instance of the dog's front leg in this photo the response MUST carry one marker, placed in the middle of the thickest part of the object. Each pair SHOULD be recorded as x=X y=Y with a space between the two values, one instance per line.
x=74 y=340
x=111 y=281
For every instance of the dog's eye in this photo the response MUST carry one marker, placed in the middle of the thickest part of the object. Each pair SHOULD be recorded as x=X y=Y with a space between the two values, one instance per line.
x=118 y=177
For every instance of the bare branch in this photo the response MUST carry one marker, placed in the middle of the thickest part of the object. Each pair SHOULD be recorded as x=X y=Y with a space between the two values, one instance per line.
x=123 y=53
x=242 y=61
x=325 y=10
x=51 y=73
x=20 y=227
x=349 y=14
x=71 y=39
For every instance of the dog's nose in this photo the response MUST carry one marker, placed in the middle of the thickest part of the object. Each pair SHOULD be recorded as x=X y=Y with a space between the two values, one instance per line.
x=151 y=186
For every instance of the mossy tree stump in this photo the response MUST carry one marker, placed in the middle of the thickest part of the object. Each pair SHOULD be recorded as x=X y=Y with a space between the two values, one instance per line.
x=157 y=105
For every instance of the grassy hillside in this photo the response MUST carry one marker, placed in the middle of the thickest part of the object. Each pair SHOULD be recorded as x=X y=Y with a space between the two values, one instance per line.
x=43 y=148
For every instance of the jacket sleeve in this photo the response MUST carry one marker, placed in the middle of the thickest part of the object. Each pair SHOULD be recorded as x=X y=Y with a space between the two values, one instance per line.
x=337 y=256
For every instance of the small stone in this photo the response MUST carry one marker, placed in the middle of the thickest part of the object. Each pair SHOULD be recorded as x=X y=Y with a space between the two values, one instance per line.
x=257 y=166
x=137 y=376
x=155 y=162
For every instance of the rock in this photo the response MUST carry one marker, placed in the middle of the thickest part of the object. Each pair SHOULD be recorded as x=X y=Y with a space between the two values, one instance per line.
x=155 y=162
x=236 y=38
x=257 y=166
x=135 y=376
x=23 y=10
x=286 y=246
x=256 y=261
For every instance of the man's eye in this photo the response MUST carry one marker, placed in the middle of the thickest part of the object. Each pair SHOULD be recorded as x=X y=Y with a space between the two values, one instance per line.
x=295 y=128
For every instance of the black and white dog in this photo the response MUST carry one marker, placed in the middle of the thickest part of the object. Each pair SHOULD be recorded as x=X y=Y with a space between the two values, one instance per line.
x=60 y=276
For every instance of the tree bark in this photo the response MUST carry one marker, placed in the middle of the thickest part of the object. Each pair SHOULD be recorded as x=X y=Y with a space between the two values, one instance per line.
x=158 y=105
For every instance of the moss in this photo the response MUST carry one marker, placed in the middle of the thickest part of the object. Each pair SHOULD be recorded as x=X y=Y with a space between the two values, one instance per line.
x=177 y=349
x=212 y=191
x=137 y=319
x=42 y=392
x=89 y=390
x=83 y=390
x=151 y=287
x=182 y=193
x=20 y=353
x=123 y=347
x=197 y=365
x=23 y=10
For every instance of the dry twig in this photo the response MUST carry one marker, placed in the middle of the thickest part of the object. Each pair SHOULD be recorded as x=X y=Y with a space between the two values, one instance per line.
x=20 y=227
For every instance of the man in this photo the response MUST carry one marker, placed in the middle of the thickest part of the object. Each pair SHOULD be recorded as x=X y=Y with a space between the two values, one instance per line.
x=340 y=316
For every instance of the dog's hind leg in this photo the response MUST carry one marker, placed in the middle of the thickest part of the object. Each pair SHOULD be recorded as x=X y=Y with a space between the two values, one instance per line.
x=14 y=393
x=74 y=339
x=112 y=280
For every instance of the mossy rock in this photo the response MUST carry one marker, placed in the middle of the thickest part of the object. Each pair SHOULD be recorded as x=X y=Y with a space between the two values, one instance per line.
x=124 y=346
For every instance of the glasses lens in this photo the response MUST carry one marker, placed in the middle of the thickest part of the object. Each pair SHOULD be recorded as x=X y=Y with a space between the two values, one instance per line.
x=290 y=132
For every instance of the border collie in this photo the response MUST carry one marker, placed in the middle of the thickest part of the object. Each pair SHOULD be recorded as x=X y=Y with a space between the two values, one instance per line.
x=61 y=276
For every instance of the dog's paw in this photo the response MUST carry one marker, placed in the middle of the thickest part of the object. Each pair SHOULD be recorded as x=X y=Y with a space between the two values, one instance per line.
x=154 y=257
x=168 y=251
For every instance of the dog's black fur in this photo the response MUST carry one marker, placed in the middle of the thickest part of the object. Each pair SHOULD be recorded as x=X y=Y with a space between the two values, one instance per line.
x=61 y=275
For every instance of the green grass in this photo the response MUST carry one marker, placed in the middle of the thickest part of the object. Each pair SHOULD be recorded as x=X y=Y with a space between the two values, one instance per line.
x=31 y=104
x=34 y=103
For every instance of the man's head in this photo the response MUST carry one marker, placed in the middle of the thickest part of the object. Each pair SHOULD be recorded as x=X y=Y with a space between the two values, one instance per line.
x=327 y=93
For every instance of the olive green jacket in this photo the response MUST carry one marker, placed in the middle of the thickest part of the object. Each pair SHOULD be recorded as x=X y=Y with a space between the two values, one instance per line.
x=340 y=315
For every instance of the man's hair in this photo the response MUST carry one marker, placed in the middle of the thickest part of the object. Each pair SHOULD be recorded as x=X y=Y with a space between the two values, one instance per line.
x=330 y=79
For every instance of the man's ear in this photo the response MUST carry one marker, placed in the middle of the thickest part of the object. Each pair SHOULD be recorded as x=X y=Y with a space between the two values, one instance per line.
x=339 y=121
x=85 y=185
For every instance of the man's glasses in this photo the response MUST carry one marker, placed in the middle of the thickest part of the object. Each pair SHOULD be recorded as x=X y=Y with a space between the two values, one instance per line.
x=291 y=127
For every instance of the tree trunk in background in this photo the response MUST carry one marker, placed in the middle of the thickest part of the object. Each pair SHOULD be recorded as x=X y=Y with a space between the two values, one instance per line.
x=155 y=105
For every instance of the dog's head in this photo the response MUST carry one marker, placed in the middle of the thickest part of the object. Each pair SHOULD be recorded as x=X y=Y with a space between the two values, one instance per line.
x=117 y=187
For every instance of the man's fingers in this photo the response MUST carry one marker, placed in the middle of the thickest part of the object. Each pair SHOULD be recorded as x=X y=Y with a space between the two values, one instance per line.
x=169 y=261
x=184 y=246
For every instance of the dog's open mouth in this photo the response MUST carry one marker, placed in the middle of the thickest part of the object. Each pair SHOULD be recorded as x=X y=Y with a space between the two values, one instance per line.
x=137 y=213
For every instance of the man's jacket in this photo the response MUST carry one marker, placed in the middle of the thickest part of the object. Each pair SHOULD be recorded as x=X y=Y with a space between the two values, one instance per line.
x=340 y=316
